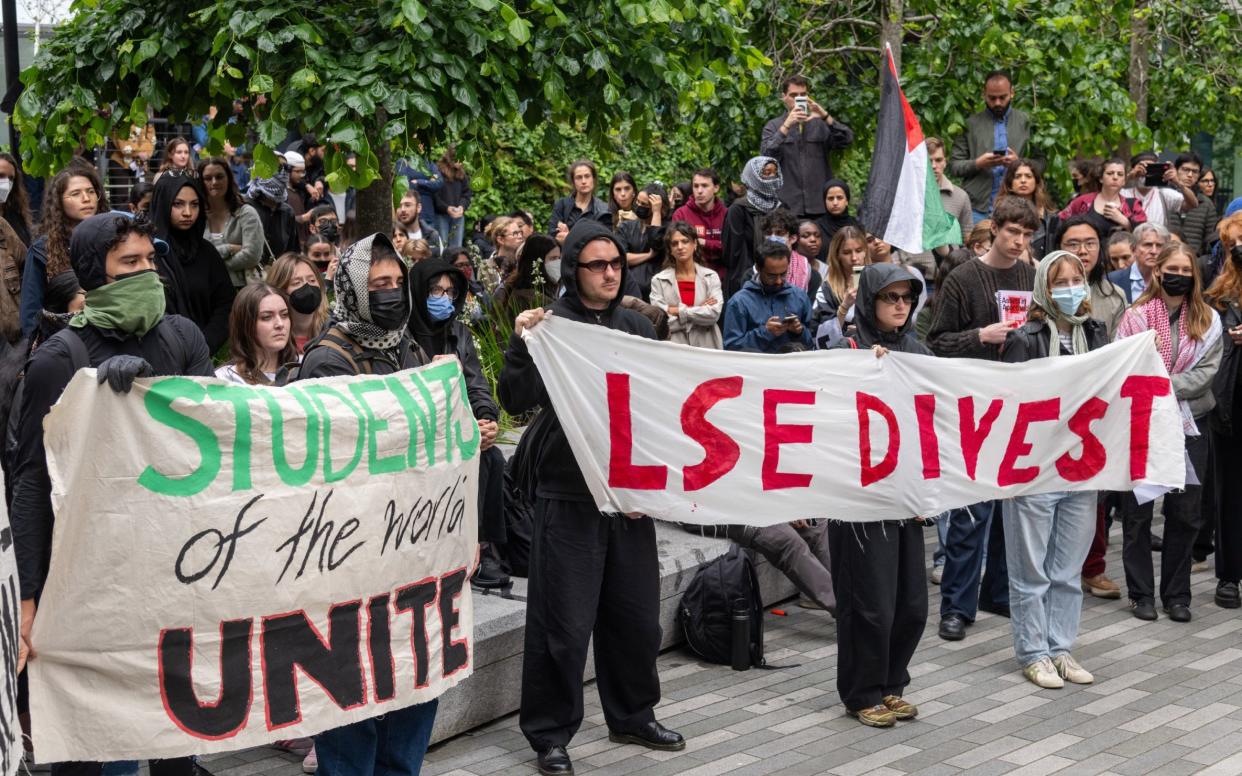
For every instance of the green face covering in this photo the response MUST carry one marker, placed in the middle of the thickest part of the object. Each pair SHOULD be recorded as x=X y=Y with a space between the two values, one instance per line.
x=132 y=305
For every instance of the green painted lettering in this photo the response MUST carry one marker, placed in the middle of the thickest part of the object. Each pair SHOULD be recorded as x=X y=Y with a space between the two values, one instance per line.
x=466 y=448
x=288 y=474
x=375 y=464
x=240 y=397
x=315 y=392
x=416 y=419
x=158 y=403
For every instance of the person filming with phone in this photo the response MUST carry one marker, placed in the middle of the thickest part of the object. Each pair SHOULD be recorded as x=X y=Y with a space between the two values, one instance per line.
x=800 y=141
x=768 y=314
x=1156 y=185
x=995 y=138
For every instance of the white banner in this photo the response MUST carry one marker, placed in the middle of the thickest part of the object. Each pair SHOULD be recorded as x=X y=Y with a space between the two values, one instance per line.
x=706 y=436
x=233 y=565
x=10 y=627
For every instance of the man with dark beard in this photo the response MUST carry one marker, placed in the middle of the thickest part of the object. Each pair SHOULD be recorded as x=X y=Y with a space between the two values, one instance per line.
x=995 y=138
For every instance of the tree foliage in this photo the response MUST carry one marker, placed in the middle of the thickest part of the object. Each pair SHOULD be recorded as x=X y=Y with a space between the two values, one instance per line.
x=1070 y=62
x=385 y=77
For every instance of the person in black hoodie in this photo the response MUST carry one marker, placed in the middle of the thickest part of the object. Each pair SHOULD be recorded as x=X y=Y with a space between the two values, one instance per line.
x=877 y=568
x=198 y=282
x=124 y=333
x=590 y=572
x=439 y=297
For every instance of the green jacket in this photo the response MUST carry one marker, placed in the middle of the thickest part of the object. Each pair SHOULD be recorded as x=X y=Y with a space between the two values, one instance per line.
x=976 y=142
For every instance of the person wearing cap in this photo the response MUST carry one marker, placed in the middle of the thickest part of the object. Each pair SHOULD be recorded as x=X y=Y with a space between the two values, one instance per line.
x=124 y=333
x=590 y=573
x=301 y=198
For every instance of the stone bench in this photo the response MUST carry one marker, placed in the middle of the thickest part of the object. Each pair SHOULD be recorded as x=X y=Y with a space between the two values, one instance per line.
x=494 y=690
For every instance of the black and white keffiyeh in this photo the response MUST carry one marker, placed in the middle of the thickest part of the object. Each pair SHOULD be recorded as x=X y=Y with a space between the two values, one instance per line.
x=762 y=192
x=352 y=310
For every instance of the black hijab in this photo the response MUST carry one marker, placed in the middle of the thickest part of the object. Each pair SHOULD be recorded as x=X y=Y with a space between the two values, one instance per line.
x=829 y=224
x=184 y=244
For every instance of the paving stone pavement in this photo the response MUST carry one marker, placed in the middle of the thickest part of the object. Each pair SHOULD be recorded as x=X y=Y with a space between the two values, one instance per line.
x=1167 y=699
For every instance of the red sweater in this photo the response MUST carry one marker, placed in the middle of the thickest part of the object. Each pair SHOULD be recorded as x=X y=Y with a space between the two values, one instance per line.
x=708 y=225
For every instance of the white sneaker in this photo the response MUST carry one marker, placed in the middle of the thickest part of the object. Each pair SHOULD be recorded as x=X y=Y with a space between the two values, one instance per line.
x=1069 y=670
x=937 y=574
x=1044 y=674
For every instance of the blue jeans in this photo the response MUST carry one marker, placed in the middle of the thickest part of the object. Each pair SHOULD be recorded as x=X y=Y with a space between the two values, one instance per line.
x=942 y=535
x=971 y=536
x=452 y=230
x=390 y=745
x=1047 y=537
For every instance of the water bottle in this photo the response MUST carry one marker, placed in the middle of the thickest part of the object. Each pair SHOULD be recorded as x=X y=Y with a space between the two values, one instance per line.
x=741 y=635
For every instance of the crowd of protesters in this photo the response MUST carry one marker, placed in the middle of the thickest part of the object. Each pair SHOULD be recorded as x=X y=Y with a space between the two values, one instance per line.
x=268 y=276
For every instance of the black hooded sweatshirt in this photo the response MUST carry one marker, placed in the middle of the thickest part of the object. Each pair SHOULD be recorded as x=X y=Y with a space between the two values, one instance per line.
x=450 y=336
x=521 y=388
x=867 y=333
x=197 y=282
x=174 y=347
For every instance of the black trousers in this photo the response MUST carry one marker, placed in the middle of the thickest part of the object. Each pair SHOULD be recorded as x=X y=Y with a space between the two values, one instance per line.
x=1183 y=517
x=881 y=587
x=492 y=496
x=173 y=766
x=1226 y=460
x=590 y=574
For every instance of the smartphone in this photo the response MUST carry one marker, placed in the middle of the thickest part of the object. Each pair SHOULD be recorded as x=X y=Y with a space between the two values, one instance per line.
x=802 y=103
x=1155 y=173
x=1000 y=151
x=789 y=319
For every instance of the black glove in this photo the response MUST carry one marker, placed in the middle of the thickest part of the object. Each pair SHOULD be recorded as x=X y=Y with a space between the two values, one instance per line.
x=120 y=372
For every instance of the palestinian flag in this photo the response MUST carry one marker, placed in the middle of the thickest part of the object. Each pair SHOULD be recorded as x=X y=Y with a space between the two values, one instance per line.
x=902 y=201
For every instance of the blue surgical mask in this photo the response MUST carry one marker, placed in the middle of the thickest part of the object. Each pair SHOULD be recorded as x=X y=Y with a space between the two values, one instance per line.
x=1069 y=299
x=778 y=238
x=440 y=308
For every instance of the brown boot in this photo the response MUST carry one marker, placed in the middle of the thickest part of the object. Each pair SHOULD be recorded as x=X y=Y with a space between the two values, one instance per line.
x=1101 y=586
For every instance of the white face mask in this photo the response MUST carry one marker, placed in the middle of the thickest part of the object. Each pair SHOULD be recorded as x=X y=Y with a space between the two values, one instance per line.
x=553 y=270
x=6 y=186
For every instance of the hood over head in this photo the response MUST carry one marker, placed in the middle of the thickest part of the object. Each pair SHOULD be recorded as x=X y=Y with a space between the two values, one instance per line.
x=531 y=256
x=430 y=333
x=352 y=308
x=583 y=232
x=88 y=248
x=837 y=183
x=183 y=243
x=873 y=280
x=763 y=193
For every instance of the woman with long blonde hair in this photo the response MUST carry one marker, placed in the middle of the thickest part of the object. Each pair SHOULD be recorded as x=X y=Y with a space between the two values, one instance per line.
x=297 y=276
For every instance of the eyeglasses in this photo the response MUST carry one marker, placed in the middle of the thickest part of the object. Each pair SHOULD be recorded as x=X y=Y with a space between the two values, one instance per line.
x=1077 y=245
x=438 y=292
x=892 y=297
x=598 y=267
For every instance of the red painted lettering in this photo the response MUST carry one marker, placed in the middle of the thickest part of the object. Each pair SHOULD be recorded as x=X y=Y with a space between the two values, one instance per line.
x=721 y=452
x=1094 y=456
x=1141 y=390
x=974 y=436
x=1028 y=412
x=925 y=409
x=622 y=472
x=777 y=434
x=868 y=404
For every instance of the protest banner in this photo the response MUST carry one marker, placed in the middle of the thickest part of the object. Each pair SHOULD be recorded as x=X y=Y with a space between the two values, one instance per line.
x=709 y=437
x=237 y=564
x=10 y=628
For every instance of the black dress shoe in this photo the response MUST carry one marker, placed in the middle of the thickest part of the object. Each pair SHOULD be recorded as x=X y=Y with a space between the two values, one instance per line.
x=1144 y=610
x=952 y=627
x=490 y=574
x=1178 y=612
x=653 y=735
x=1227 y=595
x=556 y=762
x=1157 y=543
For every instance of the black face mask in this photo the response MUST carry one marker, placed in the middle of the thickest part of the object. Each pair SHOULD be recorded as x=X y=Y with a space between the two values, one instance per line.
x=1235 y=253
x=1176 y=285
x=330 y=232
x=306 y=299
x=643 y=211
x=389 y=308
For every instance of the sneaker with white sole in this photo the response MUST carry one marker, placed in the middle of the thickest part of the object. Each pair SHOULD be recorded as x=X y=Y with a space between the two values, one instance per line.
x=937 y=574
x=1069 y=669
x=311 y=763
x=1043 y=674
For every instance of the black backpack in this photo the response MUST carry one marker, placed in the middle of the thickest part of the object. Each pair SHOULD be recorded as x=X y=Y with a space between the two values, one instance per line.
x=706 y=610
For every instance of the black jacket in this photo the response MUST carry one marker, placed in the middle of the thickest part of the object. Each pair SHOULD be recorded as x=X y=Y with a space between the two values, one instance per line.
x=438 y=338
x=564 y=211
x=1030 y=340
x=280 y=229
x=739 y=239
x=452 y=194
x=1225 y=384
x=198 y=285
x=174 y=347
x=323 y=361
x=521 y=388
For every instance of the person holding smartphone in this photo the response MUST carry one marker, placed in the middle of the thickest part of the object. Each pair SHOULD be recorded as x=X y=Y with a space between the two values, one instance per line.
x=995 y=138
x=1156 y=185
x=768 y=313
x=800 y=141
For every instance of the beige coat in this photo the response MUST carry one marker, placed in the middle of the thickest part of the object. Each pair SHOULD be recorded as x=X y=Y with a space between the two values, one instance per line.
x=696 y=325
